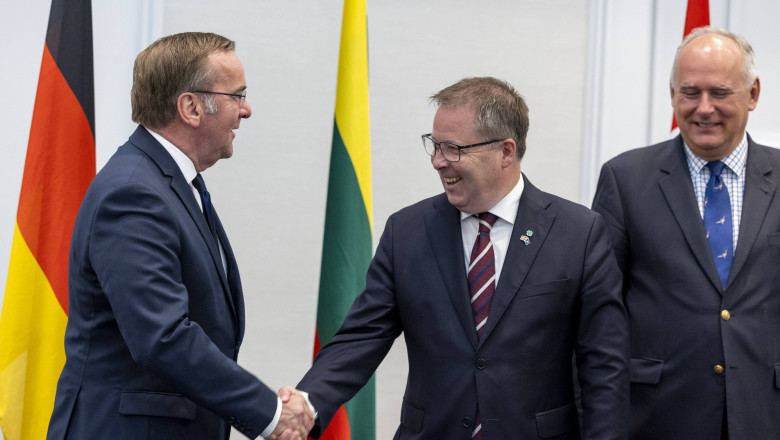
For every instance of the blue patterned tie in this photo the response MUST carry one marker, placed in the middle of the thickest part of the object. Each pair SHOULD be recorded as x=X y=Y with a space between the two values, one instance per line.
x=208 y=208
x=717 y=220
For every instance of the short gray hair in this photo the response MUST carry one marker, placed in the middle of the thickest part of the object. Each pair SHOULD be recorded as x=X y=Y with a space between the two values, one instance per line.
x=499 y=110
x=748 y=58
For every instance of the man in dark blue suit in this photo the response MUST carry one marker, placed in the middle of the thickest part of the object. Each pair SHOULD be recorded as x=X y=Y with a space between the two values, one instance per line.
x=494 y=285
x=702 y=290
x=156 y=310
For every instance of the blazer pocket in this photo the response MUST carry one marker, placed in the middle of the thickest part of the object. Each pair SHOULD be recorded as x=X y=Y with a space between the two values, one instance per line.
x=773 y=239
x=543 y=288
x=139 y=403
x=556 y=421
x=411 y=417
x=646 y=370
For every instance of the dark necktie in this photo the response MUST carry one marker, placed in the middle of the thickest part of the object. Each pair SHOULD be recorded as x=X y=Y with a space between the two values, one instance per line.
x=717 y=221
x=482 y=284
x=208 y=208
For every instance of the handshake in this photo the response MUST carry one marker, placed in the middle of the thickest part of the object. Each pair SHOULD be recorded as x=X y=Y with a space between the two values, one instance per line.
x=297 y=418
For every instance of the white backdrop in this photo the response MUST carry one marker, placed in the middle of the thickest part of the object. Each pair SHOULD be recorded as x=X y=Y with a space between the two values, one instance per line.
x=631 y=48
x=593 y=73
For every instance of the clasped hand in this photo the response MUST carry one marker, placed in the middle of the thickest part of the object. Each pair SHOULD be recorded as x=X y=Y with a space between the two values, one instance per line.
x=296 y=420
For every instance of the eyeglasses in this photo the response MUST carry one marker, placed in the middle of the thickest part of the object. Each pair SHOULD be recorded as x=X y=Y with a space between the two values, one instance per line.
x=449 y=151
x=241 y=96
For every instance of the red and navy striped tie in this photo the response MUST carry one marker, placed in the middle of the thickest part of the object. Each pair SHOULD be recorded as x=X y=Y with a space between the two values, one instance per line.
x=482 y=284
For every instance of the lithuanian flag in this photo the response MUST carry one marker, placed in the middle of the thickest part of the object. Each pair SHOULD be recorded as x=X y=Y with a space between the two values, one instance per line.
x=60 y=164
x=346 y=251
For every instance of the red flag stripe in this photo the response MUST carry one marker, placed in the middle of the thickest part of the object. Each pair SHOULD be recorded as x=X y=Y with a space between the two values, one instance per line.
x=338 y=428
x=696 y=15
x=60 y=164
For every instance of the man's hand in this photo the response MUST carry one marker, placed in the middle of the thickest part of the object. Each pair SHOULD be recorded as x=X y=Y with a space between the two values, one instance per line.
x=296 y=420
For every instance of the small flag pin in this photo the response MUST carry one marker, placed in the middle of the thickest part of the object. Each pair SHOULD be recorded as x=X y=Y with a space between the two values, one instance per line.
x=525 y=239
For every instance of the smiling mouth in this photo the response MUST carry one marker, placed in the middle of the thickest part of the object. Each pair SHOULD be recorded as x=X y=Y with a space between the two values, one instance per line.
x=451 y=180
x=706 y=124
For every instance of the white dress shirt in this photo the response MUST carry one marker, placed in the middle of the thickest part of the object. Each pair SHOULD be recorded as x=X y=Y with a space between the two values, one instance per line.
x=506 y=211
x=733 y=176
x=187 y=169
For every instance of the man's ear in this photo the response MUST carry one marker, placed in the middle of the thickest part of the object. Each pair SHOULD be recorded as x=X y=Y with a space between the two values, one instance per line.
x=508 y=151
x=754 y=92
x=190 y=109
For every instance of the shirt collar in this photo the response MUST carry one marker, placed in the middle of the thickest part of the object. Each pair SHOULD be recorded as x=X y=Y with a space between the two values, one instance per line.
x=505 y=209
x=734 y=161
x=185 y=164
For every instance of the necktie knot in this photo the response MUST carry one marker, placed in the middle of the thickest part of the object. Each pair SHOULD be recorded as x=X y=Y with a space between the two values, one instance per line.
x=199 y=184
x=716 y=167
x=486 y=221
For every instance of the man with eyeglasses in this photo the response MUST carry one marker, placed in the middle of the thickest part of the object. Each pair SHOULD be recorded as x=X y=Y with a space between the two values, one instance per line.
x=156 y=310
x=496 y=286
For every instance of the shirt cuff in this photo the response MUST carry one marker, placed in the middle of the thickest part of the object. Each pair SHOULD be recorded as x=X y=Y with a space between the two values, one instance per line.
x=275 y=421
x=308 y=402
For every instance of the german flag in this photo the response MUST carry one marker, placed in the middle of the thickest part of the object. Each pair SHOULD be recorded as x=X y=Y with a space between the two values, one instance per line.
x=59 y=166
x=346 y=251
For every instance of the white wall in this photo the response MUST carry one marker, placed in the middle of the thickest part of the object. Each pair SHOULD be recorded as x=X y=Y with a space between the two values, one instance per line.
x=631 y=50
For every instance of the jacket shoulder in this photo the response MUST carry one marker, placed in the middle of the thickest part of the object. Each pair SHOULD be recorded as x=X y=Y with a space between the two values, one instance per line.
x=644 y=155
x=422 y=207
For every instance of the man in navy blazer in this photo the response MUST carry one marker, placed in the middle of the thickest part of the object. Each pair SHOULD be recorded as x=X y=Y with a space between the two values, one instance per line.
x=156 y=310
x=557 y=294
x=705 y=346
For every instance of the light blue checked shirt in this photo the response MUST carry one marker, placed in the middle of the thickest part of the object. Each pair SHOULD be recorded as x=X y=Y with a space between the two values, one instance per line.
x=733 y=176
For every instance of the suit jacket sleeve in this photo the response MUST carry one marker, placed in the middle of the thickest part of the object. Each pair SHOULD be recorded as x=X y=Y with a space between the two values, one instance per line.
x=602 y=348
x=608 y=203
x=136 y=251
x=349 y=360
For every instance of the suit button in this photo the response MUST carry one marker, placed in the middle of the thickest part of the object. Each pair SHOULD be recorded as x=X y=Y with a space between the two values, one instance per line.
x=725 y=315
x=467 y=422
x=481 y=364
x=718 y=369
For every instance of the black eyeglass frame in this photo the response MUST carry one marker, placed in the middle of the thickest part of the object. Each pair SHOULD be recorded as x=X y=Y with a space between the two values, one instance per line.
x=437 y=146
x=241 y=96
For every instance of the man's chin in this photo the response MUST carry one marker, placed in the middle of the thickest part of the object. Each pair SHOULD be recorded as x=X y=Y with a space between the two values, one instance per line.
x=451 y=197
x=456 y=201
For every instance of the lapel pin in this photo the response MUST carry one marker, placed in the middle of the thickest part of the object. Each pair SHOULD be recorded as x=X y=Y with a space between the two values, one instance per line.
x=525 y=238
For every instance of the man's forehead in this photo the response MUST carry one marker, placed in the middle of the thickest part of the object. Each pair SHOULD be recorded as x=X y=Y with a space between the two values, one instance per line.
x=698 y=86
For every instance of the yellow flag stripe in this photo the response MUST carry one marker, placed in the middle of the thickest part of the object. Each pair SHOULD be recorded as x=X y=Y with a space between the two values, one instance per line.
x=352 y=96
x=32 y=354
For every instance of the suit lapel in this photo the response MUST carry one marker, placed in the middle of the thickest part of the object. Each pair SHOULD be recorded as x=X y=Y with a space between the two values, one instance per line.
x=233 y=278
x=677 y=188
x=149 y=145
x=531 y=216
x=759 y=191
x=443 y=228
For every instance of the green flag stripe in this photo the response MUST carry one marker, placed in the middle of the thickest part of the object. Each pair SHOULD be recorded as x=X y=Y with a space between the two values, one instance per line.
x=346 y=250
x=346 y=254
x=362 y=413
